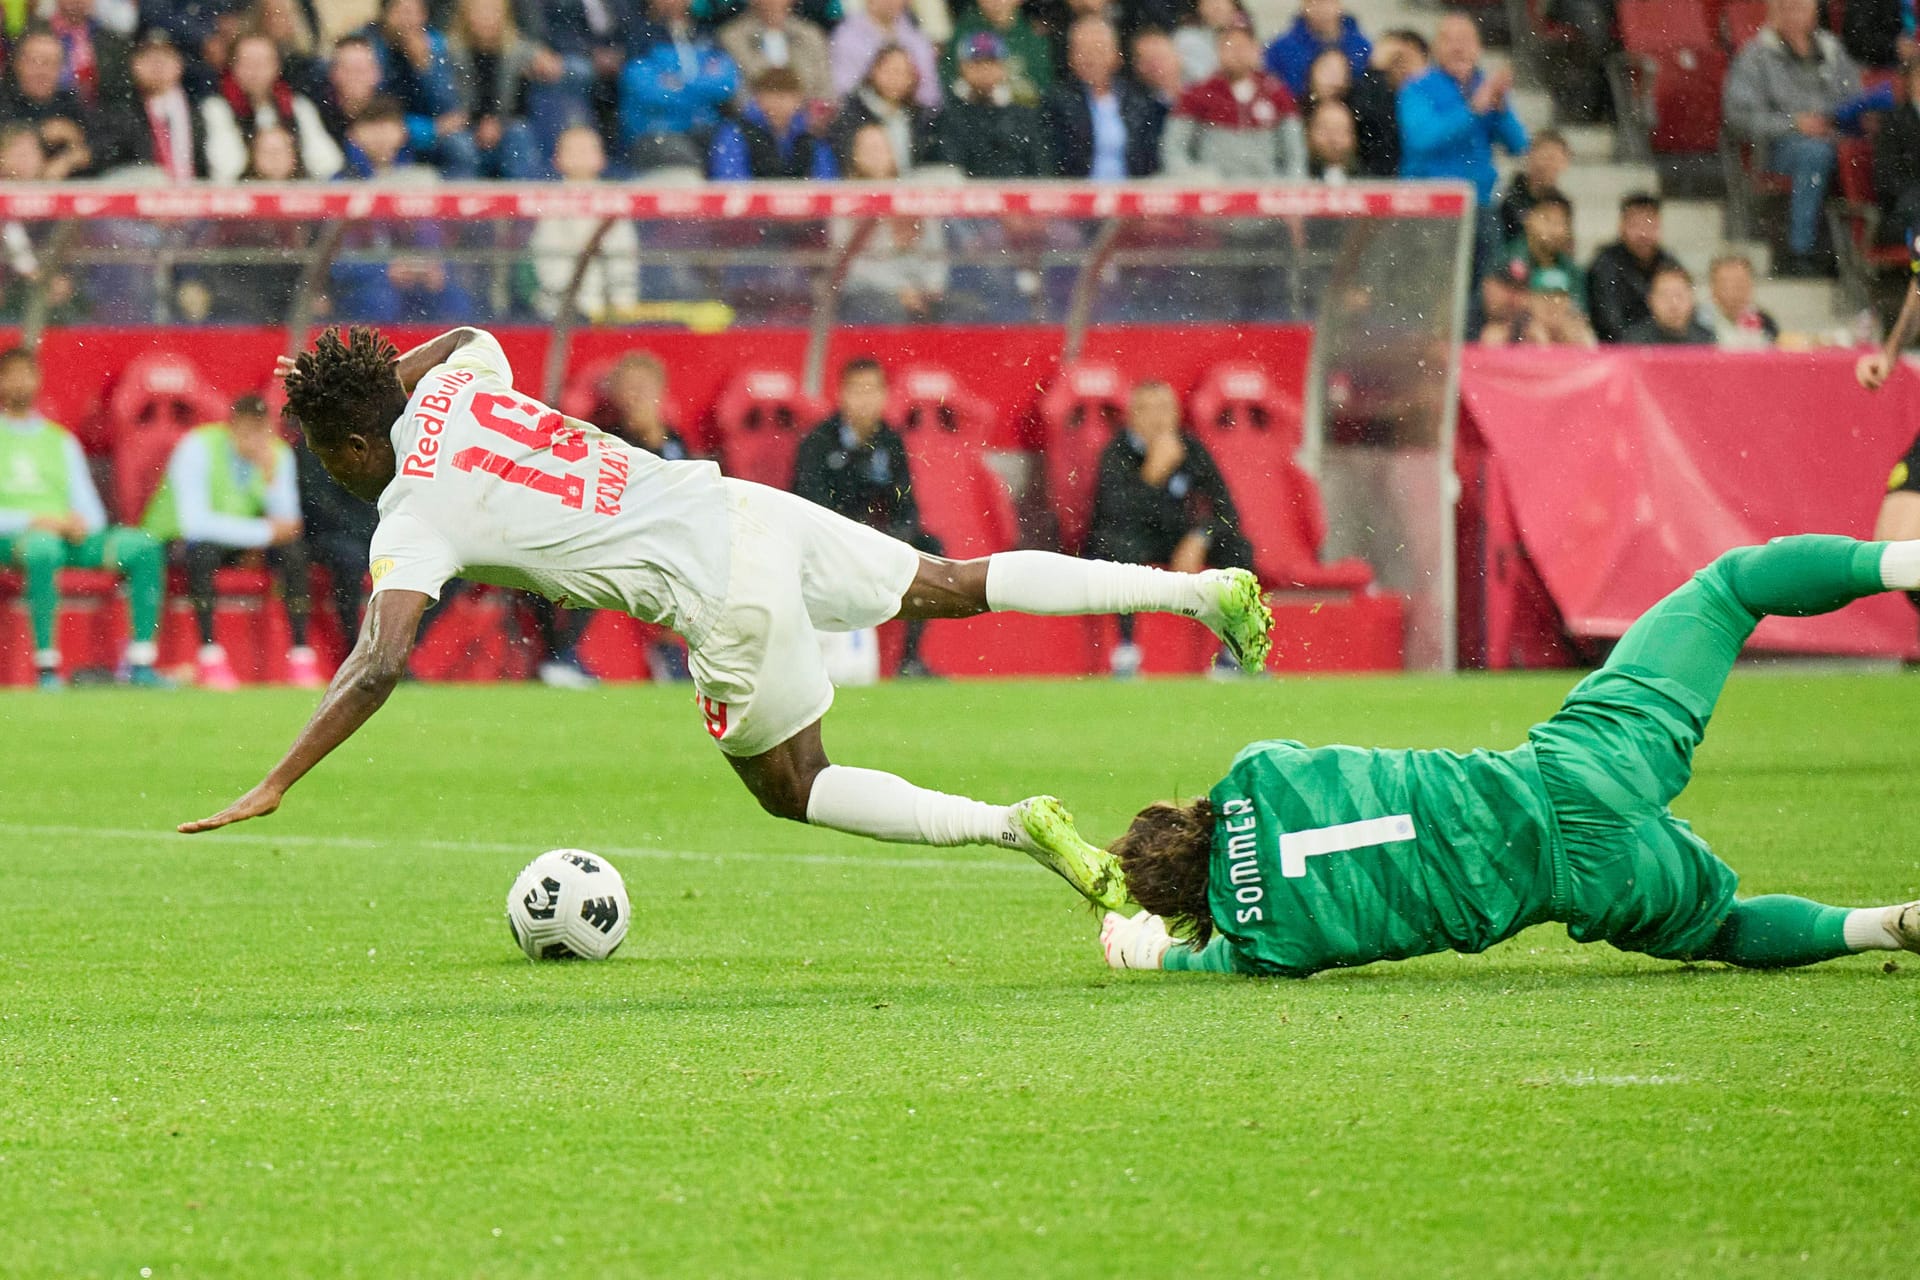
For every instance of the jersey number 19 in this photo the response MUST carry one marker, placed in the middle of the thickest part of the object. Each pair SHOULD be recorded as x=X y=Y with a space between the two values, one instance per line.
x=548 y=431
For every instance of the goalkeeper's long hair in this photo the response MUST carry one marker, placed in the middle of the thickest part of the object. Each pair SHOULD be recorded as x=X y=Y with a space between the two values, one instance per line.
x=1166 y=855
x=346 y=387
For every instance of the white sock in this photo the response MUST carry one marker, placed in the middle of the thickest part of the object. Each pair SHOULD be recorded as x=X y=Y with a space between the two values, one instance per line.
x=47 y=659
x=867 y=802
x=1899 y=566
x=142 y=653
x=1866 y=929
x=1046 y=583
x=212 y=653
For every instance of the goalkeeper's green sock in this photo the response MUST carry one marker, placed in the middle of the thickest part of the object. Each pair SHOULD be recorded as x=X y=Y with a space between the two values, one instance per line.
x=1778 y=931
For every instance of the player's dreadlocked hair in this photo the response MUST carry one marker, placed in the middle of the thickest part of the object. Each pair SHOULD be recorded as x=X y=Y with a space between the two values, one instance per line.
x=1165 y=855
x=346 y=388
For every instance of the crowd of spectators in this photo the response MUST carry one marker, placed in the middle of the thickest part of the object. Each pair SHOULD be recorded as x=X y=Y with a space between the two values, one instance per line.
x=581 y=91
x=182 y=89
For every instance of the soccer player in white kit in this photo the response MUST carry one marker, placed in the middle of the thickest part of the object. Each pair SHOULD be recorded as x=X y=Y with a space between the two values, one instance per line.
x=475 y=480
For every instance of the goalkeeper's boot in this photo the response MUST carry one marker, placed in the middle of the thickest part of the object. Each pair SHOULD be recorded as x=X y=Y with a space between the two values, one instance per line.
x=1051 y=841
x=1239 y=616
x=1903 y=923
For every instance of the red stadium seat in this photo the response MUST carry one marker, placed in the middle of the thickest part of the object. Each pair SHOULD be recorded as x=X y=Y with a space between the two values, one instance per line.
x=586 y=390
x=946 y=428
x=962 y=501
x=928 y=397
x=759 y=420
x=157 y=399
x=1252 y=428
x=1078 y=415
x=1649 y=27
x=1238 y=395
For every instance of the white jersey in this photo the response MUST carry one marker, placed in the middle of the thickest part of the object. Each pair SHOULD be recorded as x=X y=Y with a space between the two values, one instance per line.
x=494 y=486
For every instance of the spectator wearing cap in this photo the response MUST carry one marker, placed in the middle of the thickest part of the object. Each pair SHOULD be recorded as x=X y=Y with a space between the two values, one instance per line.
x=858 y=39
x=1545 y=245
x=772 y=137
x=1240 y=124
x=252 y=96
x=678 y=82
x=94 y=58
x=1100 y=124
x=1670 y=320
x=985 y=130
x=33 y=96
x=1622 y=273
x=1322 y=25
x=160 y=127
x=887 y=99
x=768 y=37
x=417 y=71
x=1028 y=60
x=231 y=489
x=1333 y=150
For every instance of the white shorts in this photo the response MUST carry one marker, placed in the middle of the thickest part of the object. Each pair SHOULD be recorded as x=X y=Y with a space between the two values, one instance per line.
x=796 y=569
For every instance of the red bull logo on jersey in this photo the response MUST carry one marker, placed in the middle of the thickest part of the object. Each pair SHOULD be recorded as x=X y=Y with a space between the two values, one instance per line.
x=429 y=421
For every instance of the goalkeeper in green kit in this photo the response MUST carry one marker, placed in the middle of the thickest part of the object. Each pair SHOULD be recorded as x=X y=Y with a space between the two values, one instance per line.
x=1304 y=859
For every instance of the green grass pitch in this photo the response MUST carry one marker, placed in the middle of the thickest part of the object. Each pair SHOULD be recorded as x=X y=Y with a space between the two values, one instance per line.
x=308 y=1047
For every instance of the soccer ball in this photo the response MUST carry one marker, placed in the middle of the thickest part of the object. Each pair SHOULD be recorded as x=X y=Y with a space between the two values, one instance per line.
x=568 y=905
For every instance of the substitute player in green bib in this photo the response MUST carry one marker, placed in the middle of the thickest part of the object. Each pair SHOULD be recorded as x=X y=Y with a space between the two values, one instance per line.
x=51 y=519
x=1304 y=859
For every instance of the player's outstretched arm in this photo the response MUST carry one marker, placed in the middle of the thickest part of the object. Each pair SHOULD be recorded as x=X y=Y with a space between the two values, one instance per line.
x=358 y=690
x=423 y=359
x=1873 y=370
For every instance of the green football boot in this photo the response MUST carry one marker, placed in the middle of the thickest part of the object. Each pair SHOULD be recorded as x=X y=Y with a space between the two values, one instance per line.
x=1240 y=617
x=1053 y=843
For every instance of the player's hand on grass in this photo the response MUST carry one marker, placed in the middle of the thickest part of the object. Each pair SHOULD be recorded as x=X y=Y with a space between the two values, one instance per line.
x=1138 y=941
x=257 y=803
x=1871 y=371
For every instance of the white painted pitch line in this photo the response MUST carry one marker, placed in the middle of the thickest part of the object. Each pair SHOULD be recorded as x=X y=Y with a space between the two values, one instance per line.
x=985 y=862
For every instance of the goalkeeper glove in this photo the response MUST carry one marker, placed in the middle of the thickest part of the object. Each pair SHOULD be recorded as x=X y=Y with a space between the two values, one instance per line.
x=1134 y=942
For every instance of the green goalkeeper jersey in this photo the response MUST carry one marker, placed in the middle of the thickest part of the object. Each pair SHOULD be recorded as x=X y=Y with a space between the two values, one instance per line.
x=1327 y=857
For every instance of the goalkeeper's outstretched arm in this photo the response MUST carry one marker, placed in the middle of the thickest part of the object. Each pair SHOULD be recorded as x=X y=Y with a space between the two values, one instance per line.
x=358 y=690
x=1141 y=941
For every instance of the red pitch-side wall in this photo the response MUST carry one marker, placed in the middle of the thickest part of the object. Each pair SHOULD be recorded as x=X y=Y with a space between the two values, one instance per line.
x=1008 y=366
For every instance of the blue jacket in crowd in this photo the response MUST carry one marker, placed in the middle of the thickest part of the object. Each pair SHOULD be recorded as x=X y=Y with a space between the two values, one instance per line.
x=1291 y=56
x=731 y=157
x=676 y=87
x=1441 y=137
x=424 y=95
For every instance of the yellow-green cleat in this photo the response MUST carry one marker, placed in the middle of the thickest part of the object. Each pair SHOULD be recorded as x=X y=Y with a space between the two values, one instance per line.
x=1240 y=617
x=1052 y=841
